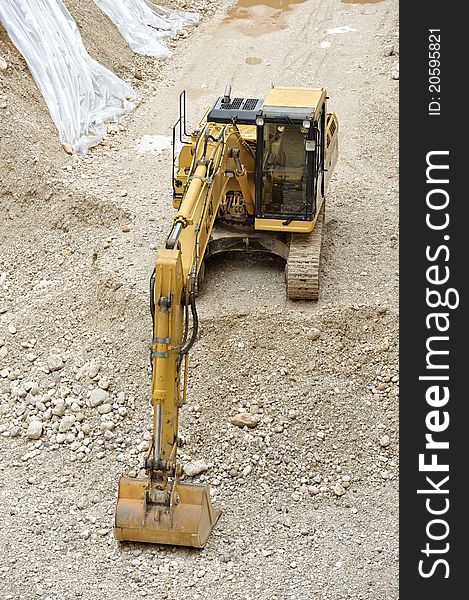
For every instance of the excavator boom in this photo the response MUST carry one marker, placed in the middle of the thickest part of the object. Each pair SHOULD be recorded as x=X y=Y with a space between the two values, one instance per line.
x=161 y=509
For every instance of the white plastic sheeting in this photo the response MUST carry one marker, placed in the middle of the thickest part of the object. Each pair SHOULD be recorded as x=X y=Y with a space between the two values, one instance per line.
x=81 y=94
x=144 y=25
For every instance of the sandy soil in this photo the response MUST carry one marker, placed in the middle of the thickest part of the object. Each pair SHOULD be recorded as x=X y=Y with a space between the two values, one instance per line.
x=309 y=496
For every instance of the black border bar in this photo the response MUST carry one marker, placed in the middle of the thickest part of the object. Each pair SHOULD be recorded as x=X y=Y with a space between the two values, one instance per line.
x=434 y=266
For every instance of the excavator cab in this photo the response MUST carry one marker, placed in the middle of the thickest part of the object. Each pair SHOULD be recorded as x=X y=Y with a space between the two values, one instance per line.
x=290 y=158
x=286 y=178
x=291 y=148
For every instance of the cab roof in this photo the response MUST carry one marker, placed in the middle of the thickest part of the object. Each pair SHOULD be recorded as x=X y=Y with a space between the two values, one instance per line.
x=309 y=100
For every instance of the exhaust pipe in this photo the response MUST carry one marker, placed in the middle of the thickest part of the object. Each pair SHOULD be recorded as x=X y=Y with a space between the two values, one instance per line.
x=227 y=95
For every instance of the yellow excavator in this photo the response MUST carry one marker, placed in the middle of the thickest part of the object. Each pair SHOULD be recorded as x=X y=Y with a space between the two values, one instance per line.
x=251 y=176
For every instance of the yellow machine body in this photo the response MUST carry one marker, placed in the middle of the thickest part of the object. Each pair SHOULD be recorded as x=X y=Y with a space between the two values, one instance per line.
x=252 y=175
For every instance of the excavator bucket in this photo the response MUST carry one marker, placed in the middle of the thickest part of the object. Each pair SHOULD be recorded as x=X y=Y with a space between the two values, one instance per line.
x=188 y=522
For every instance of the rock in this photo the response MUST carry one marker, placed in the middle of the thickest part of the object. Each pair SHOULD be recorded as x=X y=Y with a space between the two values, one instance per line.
x=143 y=446
x=245 y=419
x=97 y=397
x=93 y=369
x=105 y=409
x=313 y=334
x=395 y=71
x=103 y=383
x=34 y=430
x=11 y=328
x=107 y=426
x=3 y=352
x=338 y=490
x=388 y=50
x=14 y=431
x=247 y=470
x=28 y=385
x=191 y=469
x=384 y=441
x=138 y=74
x=66 y=423
x=124 y=193
x=55 y=362
x=59 y=409
x=125 y=229
x=313 y=490
x=3 y=64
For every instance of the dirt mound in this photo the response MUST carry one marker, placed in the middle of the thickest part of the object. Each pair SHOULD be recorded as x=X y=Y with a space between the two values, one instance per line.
x=28 y=138
x=30 y=149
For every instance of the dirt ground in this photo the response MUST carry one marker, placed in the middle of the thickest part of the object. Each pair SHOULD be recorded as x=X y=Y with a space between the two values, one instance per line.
x=309 y=497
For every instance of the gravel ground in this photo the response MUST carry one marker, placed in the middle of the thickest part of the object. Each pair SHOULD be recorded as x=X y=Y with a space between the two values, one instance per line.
x=308 y=493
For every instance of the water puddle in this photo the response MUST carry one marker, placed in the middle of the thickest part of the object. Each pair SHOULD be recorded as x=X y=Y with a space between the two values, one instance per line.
x=256 y=17
x=253 y=60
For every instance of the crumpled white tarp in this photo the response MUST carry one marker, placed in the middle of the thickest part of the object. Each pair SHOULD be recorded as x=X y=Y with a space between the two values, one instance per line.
x=81 y=94
x=144 y=25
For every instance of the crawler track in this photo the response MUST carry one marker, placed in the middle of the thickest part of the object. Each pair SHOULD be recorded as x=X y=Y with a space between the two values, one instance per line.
x=304 y=262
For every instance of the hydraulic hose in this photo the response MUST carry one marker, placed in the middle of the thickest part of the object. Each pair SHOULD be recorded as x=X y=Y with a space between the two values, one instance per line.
x=195 y=326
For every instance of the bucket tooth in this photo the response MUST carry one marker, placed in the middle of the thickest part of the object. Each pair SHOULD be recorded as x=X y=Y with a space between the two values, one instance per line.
x=188 y=522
